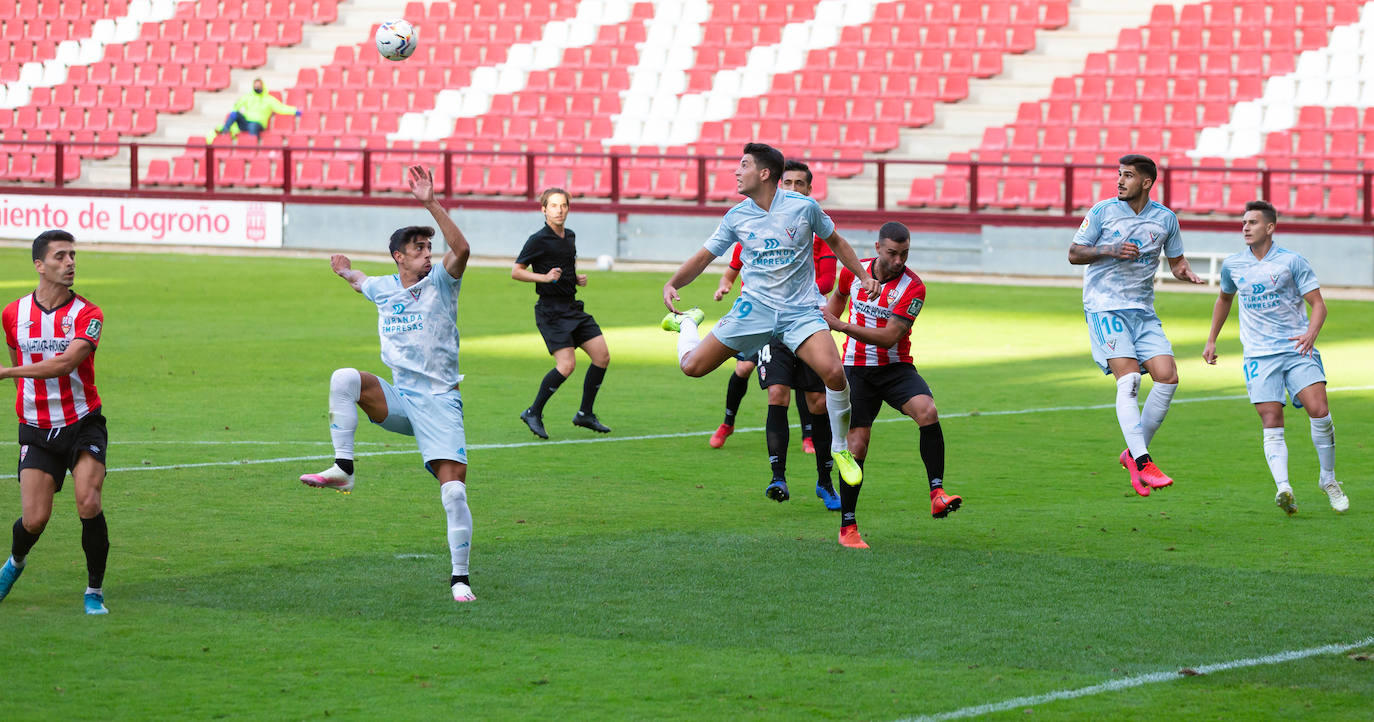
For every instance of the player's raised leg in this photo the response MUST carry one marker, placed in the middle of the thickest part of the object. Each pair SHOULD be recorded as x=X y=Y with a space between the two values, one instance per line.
x=349 y=390
x=1136 y=455
x=1313 y=399
x=1164 y=382
x=818 y=351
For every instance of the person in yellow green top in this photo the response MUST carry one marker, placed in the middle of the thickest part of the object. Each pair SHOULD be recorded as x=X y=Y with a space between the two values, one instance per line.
x=252 y=112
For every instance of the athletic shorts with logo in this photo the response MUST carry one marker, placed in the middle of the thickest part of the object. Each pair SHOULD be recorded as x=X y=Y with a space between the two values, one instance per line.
x=564 y=324
x=56 y=451
x=435 y=420
x=1267 y=378
x=871 y=386
x=779 y=365
x=1127 y=333
x=750 y=326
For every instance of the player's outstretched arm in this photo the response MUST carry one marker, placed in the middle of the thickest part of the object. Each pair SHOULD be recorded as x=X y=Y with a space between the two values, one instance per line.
x=849 y=259
x=1316 y=317
x=421 y=181
x=56 y=367
x=1082 y=255
x=1183 y=271
x=685 y=274
x=343 y=268
x=1221 y=310
x=885 y=337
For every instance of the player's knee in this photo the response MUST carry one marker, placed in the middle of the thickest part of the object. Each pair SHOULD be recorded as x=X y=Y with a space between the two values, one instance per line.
x=88 y=504
x=1168 y=378
x=565 y=368
x=926 y=413
x=779 y=395
x=346 y=381
x=35 y=521
x=1318 y=409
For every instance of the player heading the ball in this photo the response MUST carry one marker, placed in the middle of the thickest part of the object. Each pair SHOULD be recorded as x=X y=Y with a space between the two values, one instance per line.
x=779 y=297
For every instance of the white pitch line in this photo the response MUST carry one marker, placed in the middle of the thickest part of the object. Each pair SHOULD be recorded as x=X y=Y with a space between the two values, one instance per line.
x=645 y=437
x=1117 y=685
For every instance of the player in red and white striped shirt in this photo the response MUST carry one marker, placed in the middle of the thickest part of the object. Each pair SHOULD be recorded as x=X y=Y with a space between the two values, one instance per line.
x=877 y=360
x=52 y=335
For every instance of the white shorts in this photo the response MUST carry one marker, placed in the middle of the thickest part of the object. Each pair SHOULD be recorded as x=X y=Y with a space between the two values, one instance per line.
x=750 y=326
x=435 y=420
x=1128 y=333
x=1267 y=378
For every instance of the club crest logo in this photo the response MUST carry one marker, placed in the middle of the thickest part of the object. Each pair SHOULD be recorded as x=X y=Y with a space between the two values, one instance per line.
x=1111 y=345
x=66 y=325
x=23 y=451
x=415 y=293
x=1274 y=279
x=791 y=233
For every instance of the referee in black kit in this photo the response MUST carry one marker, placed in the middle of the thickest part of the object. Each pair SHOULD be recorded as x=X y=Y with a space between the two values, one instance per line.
x=549 y=261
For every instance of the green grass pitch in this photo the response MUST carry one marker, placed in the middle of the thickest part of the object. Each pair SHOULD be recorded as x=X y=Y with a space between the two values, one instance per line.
x=651 y=578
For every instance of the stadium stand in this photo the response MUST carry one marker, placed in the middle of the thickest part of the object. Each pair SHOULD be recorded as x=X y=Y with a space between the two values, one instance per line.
x=1248 y=92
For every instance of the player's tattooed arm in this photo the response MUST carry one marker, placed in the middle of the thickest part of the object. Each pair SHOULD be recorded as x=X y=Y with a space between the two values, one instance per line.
x=1221 y=310
x=1303 y=344
x=845 y=253
x=1081 y=255
x=343 y=267
x=885 y=337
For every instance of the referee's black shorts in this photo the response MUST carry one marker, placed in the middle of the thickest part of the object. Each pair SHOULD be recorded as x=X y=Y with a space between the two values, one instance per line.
x=564 y=324
x=870 y=386
x=55 y=451
x=778 y=365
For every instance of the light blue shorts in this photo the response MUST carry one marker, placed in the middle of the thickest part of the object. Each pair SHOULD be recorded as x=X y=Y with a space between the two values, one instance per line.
x=1128 y=333
x=1268 y=377
x=435 y=420
x=750 y=326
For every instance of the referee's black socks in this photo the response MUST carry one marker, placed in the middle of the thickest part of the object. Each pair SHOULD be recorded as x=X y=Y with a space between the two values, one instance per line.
x=590 y=385
x=550 y=383
x=933 y=453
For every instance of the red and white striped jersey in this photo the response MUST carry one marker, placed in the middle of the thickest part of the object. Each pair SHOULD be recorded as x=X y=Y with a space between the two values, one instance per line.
x=34 y=334
x=903 y=296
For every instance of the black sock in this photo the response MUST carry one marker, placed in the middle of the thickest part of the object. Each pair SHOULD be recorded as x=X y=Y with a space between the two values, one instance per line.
x=776 y=433
x=458 y=578
x=804 y=416
x=552 y=380
x=734 y=394
x=1141 y=462
x=820 y=437
x=933 y=454
x=95 y=541
x=23 y=540
x=345 y=464
x=591 y=384
x=849 y=500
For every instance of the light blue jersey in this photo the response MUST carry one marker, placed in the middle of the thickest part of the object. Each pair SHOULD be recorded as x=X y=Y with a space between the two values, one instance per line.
x=1115 y=284
x=778 y=268
x=1270 y=291
x=418 y=327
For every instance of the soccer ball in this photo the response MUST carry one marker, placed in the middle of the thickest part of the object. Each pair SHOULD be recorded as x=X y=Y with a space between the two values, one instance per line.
x=396 y=39
x=604 y=262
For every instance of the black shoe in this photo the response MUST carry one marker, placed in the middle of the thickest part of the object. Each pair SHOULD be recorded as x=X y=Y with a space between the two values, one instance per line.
x=589 y=421
x=535 y=422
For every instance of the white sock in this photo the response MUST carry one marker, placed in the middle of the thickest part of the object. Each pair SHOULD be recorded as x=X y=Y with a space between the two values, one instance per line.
x=1324 y=438
x=345 y=388
x=838 y=408
x=95 y=590
x=687 y=339
x=1156 y=406
x=1128 y=414
x=1276 y=453
x=18 y=562
x=455 y=497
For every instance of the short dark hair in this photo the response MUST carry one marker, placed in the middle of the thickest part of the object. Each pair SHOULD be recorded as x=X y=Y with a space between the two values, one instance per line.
x=403 y=236
x=1265 y=207
x=549 y=192
x=767 y=157
x=894 y=231
x=797 y=165
x=1142 y=165
x=40 y=244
